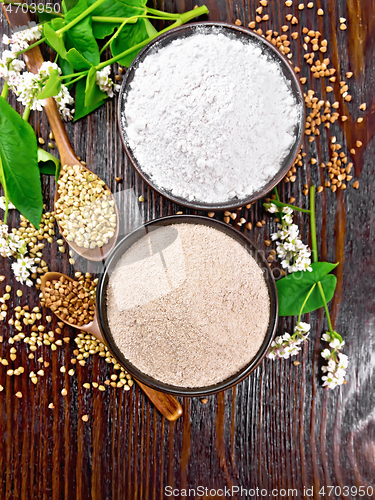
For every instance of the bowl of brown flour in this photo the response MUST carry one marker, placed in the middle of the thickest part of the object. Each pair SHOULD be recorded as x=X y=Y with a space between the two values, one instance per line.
x=187 y=305
x=211 y=115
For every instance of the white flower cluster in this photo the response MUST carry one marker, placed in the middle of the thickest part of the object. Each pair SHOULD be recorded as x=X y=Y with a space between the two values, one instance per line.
x=27 y=86
x=20 y=40
x=12 y=246
x=105 y=83
x=337 y=362
x=294 y=255
x=10 y=66
x=287 y=345
x=23 y=268
x=3 y=204
x=30 y=85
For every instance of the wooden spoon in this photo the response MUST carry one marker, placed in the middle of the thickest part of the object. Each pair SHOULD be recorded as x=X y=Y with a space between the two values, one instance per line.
x=34 y=60
x=168 y=406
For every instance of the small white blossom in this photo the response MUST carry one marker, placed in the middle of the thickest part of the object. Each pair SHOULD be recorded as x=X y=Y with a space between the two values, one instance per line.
x=20 y=40
x=105 y=83
x=326 y=353
x=287 y=210
x=271 y=207
x=294 y=255
x=5 y=251
x=10 y=66
x=286 y=345
x=12 y=246
x=23 y=269
x=3 y=204
x=336 y=344
x=334 y=371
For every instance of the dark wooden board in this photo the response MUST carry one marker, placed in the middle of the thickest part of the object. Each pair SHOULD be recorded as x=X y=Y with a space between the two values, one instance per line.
x=277 y=429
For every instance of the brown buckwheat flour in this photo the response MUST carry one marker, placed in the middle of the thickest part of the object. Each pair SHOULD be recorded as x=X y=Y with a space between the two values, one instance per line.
x=188 y=305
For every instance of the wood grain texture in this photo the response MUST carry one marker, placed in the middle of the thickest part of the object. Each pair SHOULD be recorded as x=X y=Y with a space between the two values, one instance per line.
x=277 y=429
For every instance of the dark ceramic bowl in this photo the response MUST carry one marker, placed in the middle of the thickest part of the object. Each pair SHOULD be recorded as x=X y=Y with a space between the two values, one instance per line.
x=234 y=32
x=111 y=263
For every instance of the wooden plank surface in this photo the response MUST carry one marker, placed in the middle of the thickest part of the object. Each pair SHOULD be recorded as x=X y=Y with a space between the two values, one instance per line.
x=277 y=429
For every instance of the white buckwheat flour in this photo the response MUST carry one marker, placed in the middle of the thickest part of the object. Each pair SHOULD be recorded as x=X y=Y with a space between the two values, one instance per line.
x=210 y=118
x=188 y=305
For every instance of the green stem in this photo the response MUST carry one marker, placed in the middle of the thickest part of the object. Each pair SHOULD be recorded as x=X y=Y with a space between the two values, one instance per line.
x=313 y=225
x=3 y=182
x=26 y=114
x=116 y=20
x=73 y=74
x=326 y=308
x=5 y=91
x=279 y=212
x=304 y=303
x=31 y=46
x=79 y=18
x=129 y=20
x=161 y=13
x=184 y=18
x=6 y=209
x=79 y=78
x=116 y=34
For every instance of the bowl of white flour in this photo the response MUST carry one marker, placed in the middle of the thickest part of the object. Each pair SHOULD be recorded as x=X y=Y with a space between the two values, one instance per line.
x=211 y=115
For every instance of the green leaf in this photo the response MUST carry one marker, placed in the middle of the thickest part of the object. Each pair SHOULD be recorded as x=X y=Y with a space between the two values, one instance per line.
x=81 y=36
x=18 y=150
x=69 y=4
x=53 y=85
x=54 y=40
x=111 y=8
x=133 y=3
x=293 y=289
x=45 y=17
x=79 y=7
x=93 y=94
x=48 y=164
x=151 y=30
x=81 y=109
x=130 y=35
x=57 y=23
x=77 y=61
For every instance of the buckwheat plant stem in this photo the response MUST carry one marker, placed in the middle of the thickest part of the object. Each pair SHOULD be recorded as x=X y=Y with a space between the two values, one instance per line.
x=3 y=182
x=79 y=78
x=26 y=113
x=304 y=302
x=183 y=18
x=129 y=20
x=313 y=225
x=31 y=46
x=315 y=258
x=64 y=77
x=279 y=212
x=79 y=18
x=161 y=13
